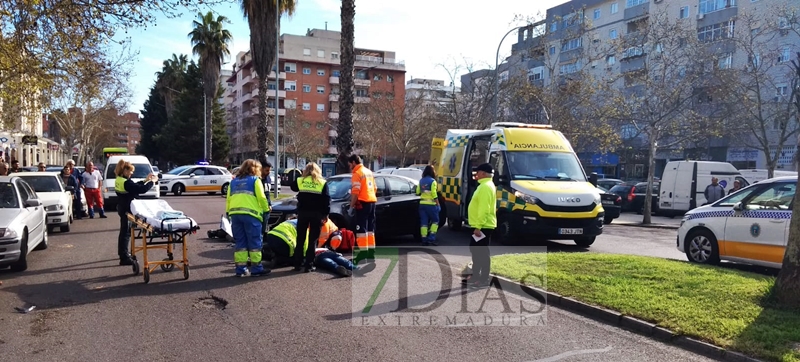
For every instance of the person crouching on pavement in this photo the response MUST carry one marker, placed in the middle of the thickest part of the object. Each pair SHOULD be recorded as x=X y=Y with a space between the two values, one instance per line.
x=482 y=216
x=279 y=245
x=246 y=205
x=428 y=206
x=126 y=191
x=313 y=204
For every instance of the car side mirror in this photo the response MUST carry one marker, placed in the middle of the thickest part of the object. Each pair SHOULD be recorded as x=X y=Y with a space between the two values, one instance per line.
x=738 y=207
x=501 y=180
x=191 y=174
x=593 y=179
x=33 y=203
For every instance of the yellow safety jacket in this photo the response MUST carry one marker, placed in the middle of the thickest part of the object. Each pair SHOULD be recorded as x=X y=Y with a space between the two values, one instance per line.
x=307 y=184
x=287 y=231
x=246 y=197
x=426 y=190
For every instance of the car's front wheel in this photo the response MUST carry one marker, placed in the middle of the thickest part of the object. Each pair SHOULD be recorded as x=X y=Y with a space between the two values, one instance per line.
x=702 y=248
x=585 y=241
x=22 y=263
x=178 y=189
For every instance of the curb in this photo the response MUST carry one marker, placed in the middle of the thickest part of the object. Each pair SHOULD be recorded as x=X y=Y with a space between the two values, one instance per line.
x=651 y=226
x=630 y=324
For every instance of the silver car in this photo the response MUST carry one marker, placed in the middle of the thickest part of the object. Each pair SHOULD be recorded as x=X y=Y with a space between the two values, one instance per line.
x=22 y=223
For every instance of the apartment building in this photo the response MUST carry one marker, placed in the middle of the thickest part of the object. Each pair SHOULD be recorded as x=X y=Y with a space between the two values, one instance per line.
x=24 y=138
x=129 y=135
x=604 y=38
x=306 y=91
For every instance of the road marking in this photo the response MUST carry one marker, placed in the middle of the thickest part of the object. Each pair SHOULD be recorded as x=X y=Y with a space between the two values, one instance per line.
x=573 y=353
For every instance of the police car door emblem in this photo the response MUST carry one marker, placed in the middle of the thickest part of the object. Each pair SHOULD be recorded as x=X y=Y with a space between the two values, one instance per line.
x=755 y=230
x=195 y=182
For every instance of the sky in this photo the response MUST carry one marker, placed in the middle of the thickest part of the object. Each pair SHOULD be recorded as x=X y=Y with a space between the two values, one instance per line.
x=437 y=39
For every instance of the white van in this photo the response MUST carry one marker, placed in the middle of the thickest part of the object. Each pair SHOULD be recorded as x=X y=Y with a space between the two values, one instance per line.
x=683 y=184
x=757 y=175
x=142 y=168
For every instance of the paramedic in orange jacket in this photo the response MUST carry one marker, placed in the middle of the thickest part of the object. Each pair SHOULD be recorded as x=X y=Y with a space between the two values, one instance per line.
x=363 y=200
x=329 y=230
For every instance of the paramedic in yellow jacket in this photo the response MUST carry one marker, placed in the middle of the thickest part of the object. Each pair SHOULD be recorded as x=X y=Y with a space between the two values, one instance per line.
x=279 y=245
x=247 y=205
x=428 y=206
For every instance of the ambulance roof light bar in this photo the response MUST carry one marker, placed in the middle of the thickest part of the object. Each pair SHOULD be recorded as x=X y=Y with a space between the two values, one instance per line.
x=519 y=125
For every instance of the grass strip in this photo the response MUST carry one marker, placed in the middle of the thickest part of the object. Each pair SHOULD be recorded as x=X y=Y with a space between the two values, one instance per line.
x=715 y=304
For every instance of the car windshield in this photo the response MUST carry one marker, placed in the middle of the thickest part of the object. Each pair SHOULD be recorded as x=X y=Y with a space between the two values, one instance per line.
x=178 y=170
x=621 y=188
x=8 y=196
x=338 y=187
x=141 y=170
x=43 y=183
x=561 y=166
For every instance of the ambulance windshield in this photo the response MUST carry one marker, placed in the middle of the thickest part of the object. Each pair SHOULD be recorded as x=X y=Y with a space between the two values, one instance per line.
x=551 y=166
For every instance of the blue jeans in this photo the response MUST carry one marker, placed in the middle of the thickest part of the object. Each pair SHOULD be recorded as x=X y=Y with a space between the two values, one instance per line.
x=329 y=260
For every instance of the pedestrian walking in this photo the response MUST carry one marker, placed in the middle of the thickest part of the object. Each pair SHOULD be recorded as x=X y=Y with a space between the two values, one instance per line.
x=127 y=190
x=92 y=180
x=714 y=191
x=266 y=179
x=362 y=200
x=77 y=174
x=482 y=216
x=313 y=205
x=428 y=206
x=246 y=205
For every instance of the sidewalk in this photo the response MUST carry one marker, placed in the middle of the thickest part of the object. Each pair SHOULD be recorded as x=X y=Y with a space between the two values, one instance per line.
x=657 y=222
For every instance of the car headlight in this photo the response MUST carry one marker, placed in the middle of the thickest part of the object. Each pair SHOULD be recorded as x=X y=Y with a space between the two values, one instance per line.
x=525 y=197
x=684 y=219
x=598 y=199
x=57 y=207
x=110 y=189
x=9 y=233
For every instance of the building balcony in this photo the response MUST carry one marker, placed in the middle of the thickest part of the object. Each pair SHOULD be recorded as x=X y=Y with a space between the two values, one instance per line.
x=362 y=100
x=249 y=79
x=362 y=82
x=333 y=80
x=271 y=111
x=333 y=115
x=333 y=98
x=332 y=133
x=332 y=150
x=271 y=75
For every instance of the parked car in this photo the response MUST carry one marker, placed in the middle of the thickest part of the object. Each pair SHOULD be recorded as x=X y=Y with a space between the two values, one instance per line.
x=56 y=198
x=410 y=172
x=289 y=175
x=626 y=191
x=612 y=204
x=640 y=194
x=195 y=178
x=608 y=183
x=396 y=210
x=22 y=223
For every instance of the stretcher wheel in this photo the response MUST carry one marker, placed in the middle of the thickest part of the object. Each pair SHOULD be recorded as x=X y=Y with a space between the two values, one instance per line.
x=146 y=275
x=135 y=267
x=185 y=272
x=167 y=267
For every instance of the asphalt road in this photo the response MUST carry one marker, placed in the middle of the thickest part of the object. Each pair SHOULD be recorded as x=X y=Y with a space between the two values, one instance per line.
x=89 y=308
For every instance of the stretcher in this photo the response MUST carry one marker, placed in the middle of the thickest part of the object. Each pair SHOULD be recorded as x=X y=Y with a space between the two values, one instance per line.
x=158 y=226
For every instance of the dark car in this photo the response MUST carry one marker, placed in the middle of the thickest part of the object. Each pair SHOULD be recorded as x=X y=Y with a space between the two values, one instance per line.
x=640 y=194
x=626 y=191
x=396 y=212
x=612 y=204
x=608 y=183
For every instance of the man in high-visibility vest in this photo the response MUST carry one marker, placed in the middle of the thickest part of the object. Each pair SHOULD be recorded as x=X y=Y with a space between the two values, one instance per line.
x=363 y=200
x=280 y=243
x=247 y=205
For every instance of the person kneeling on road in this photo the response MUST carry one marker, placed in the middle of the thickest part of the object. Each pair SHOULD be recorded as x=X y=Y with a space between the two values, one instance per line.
x=279 y=245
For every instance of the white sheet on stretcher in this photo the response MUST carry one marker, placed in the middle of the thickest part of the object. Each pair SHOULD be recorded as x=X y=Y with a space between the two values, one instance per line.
x=151 y=211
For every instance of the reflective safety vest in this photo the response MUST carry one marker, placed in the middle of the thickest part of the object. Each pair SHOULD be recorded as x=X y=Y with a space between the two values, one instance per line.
x=287 y=231
x=364 y=184
x=119 y=185
x=246 y=197
x=307 y=184
x=426 y=190
x=327 y=229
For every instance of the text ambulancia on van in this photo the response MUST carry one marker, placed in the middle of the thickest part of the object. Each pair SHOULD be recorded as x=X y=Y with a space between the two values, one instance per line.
x=542 y=189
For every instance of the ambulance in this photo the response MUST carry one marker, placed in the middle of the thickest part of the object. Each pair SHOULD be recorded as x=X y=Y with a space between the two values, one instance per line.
x=543 y=191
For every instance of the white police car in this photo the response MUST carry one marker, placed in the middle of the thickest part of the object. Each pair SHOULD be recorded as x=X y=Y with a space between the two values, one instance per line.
x=196 y=178
x=749 y=226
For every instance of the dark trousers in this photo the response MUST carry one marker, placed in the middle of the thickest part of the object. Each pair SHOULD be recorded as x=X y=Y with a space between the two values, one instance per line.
x=481 y=258
x=124 y=236
x=310 y=224
x=276 y=250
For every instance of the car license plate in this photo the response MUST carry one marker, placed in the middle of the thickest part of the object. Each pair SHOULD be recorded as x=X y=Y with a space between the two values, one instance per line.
x=608 y=202
x=577 y=231
x=56 y=220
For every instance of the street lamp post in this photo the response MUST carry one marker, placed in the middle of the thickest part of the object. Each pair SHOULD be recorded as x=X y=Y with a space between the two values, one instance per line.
x=277 y=86
x=497 y=73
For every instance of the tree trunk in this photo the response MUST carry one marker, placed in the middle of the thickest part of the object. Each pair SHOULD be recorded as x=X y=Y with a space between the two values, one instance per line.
x=261 y=126
x=771 y=164
x=648 y=198
x=787 y=286
x=344 y=139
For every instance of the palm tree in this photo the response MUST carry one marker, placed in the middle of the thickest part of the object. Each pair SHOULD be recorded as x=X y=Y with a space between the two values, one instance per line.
x=344 y=139
x=210 y=42
x=264 y=28
x=170 y=77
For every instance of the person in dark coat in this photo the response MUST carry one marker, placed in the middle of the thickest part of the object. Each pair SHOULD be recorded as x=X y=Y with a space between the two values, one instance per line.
x=127 y=191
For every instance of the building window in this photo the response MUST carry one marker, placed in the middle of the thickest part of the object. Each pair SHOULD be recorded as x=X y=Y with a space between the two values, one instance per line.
x=321 y=72
x=336 y=73
x=306 y=51
x=320 y=54
x=684 y=12
x=290 y=85
x=320 y=125
x=632 y=3
x=715 y=32
x=571 y=44
x=361 y=74
x=536 y=73
x=554 y=26
x=320 y=107
x=597 y=13
x=306 y=88
x=612 y=34
x=271 y=85
x=708 y=6
x=306 y=106
x=376 y=77
x=362 y=92
x=725 y=61
x=389 y=78
x=290 y=103
x=321 y=89
x=614 y=8
x=290 y=67
x=306 y=70
x=552 y=50
x=611 y=60
x=334 y=55
x=569 y=68
x=785 y=55
x=781 y=90
x=754 y=60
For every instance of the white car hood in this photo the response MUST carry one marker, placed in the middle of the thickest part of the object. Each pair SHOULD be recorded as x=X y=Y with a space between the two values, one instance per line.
x=52 y=198
x=7 y=217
